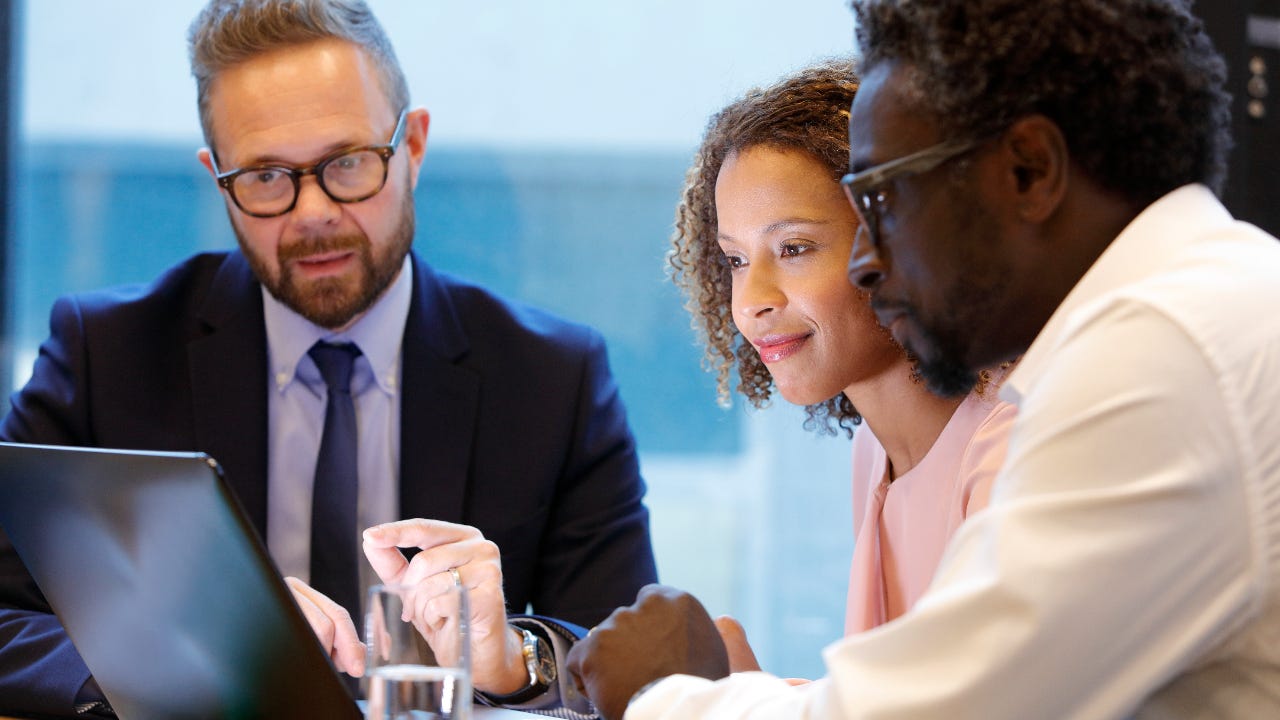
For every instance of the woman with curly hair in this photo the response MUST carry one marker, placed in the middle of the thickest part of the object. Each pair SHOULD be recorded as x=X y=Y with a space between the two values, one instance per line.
x=763 y=236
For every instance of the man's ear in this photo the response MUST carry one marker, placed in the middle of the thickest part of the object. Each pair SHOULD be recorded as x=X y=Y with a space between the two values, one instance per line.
x=205 y=156
x=415 y=141
x=1039 y=162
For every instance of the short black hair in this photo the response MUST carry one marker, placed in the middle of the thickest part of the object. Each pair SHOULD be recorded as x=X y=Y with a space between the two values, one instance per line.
x=1136 y=86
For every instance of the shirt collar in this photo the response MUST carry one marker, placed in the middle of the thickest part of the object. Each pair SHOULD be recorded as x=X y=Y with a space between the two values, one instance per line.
x=1173 y=221
x=379 y=334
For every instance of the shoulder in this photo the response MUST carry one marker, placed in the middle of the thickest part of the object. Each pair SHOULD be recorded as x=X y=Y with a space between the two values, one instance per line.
x=179 y=288
x=491 y=321
x=1221 y=292
x=868 y=463
x=991 y=417
x=988 y=422
x=1210 y=284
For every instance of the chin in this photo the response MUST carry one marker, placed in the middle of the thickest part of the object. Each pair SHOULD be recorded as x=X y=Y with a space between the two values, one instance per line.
x=803 y=396
x=947 y=379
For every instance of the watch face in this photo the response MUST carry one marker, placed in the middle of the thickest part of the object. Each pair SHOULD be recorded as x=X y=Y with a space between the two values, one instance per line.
x=546 y=663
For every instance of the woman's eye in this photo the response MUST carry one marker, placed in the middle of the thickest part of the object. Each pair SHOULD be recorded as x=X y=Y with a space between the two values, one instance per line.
x=794 y=249
x=733 y=262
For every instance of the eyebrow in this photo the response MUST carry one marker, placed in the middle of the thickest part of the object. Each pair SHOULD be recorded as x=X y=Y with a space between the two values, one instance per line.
x=276 y=160
x=778 y=225
x=787 y=223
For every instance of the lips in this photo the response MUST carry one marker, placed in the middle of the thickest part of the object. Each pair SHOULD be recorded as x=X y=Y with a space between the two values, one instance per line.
x=889 y=318
x=888 y=311
x=324 y=262
x=776 y=348
x=327 y=257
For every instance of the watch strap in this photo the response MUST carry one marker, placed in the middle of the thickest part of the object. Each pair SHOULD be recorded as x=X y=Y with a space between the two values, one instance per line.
x=540 y=663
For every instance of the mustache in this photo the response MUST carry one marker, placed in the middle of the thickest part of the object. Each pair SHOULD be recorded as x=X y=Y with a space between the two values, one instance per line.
x=887 y=306
x=307 y=246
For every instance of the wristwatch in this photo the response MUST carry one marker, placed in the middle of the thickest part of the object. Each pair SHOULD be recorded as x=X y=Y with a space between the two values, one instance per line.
x=541 y=664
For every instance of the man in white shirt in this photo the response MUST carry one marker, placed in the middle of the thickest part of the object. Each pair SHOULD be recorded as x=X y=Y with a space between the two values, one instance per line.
x=1039 y=179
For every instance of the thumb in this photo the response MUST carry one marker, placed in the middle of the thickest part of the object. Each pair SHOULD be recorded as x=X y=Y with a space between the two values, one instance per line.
x=385 y=558
x=741 y=657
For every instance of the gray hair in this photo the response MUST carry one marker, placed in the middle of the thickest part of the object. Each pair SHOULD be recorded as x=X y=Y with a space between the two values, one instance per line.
x=229 y=32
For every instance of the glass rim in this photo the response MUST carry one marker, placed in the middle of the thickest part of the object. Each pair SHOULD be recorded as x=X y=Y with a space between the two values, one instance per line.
x=857 y=183
x=227 y=180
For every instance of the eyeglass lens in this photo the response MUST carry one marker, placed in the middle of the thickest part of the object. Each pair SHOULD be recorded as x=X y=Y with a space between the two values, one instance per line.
x=348 y=177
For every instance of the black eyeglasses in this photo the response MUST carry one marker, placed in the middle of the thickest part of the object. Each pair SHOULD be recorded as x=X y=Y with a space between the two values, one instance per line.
x=865 y=189
x=348 y=176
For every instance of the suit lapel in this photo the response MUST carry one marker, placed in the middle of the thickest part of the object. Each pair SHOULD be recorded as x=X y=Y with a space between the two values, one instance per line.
x=229 y=384
x=438 y=409
x=439 y=406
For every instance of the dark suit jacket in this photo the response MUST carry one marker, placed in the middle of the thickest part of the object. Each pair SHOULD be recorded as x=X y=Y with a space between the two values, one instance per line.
x=511 y=422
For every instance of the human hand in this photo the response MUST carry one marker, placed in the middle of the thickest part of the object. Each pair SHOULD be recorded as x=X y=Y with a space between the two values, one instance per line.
x=332 y=625
x=497 y=664
x=741 y=657
x=664 y=632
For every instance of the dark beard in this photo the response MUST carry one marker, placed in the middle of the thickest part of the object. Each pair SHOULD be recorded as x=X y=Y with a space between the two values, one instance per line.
x=959 y=339
x=942 y=369
x=331 y=302
x=945 y=377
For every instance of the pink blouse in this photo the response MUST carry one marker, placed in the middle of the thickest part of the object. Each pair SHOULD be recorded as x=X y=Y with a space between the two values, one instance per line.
x=901 y=528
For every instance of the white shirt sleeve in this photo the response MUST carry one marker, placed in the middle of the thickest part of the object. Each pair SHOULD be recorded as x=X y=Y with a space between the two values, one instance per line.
x=1119 y=550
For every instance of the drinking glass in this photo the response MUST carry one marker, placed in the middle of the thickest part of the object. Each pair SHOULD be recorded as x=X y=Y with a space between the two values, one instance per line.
x=419 y=654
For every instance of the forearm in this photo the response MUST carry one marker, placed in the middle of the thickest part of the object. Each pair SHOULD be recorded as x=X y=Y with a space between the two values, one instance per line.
x=741 y=695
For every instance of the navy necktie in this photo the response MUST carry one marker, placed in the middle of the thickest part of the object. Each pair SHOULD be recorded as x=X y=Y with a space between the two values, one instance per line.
x=334 y=567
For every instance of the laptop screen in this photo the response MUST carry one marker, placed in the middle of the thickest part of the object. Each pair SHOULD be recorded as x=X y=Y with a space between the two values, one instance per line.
x=163 y=585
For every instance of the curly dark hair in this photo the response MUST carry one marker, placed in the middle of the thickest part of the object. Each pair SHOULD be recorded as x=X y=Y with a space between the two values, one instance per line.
x=1135 y=85
x=809 y=112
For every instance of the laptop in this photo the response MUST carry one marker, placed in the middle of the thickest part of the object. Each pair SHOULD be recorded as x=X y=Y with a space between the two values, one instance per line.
x=163 y=585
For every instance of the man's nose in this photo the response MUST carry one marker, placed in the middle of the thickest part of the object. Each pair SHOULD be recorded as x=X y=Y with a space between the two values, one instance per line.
x=314 y=206
x=866 y=269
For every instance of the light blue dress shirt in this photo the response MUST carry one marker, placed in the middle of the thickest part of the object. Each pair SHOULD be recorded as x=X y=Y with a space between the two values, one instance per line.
x=296 y=401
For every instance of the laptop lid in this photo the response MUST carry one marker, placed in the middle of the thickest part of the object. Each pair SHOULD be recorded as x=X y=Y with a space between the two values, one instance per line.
x=163 y=585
